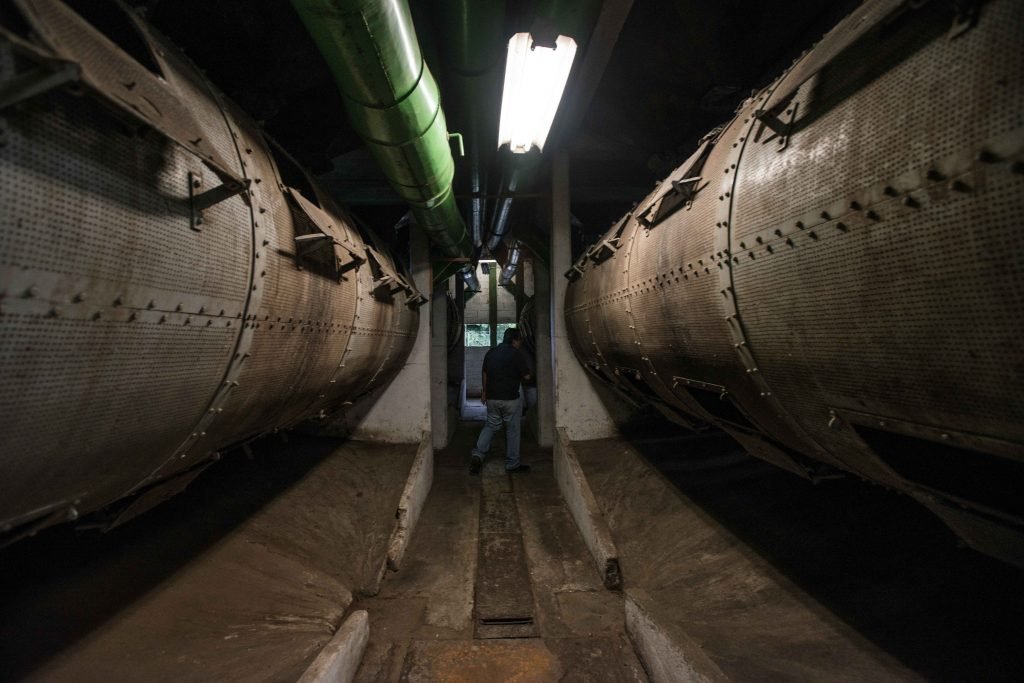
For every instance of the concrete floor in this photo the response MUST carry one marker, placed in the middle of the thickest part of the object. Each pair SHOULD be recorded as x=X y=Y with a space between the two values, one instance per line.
x=774 y=578
x=422 y=623
x=247 y=574
x=244 y=576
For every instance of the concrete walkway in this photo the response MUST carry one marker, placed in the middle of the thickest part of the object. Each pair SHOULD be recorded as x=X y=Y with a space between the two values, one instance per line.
x=243 y=577
x=422 y=623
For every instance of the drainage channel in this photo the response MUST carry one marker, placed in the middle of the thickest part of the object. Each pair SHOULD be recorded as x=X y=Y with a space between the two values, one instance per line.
x=503 y=596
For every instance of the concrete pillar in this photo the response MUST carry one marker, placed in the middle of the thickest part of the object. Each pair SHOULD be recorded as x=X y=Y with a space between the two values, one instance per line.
x=577 y=406
x=439 y=365
x=545 y=416
x=402 y=412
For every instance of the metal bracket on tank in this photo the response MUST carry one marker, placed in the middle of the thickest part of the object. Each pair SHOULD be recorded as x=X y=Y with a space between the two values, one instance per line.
x=775 y=122
x=200 y=201
x=678 y=190
x=46 y=76
x=965 y=18
x=697 y=384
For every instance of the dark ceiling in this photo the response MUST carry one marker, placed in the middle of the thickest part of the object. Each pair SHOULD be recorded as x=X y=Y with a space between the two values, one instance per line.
x=678 y=69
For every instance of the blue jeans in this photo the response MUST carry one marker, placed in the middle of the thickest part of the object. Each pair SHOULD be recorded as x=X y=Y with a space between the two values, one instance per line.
x=501 y=412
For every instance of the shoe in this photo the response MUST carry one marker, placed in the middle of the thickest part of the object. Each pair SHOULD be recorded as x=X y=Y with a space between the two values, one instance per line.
x=518 y=468
x=475 y=464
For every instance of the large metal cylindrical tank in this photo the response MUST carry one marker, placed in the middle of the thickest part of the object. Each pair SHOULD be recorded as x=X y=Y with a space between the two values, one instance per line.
x=835 y=277
x=170 y=283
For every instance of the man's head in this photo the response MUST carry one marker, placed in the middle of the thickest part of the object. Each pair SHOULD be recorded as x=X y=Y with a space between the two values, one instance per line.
x=513 y=336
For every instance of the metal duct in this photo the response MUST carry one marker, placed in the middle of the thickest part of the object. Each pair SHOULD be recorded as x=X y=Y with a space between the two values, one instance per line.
x=515 y=253
x=835 y=278
x=473 y=50
x=470 y=279
x=394 y=104
x=499 y=227
x=169 y=284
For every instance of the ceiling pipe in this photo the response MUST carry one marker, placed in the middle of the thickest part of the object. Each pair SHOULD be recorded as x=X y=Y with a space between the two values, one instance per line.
x=473 y=53
x=470 y=279
x=515 y=253
x=499 y=226
x=394 y=104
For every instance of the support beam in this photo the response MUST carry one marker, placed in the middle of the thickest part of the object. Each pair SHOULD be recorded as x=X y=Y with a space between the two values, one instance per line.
x=599 y=51
x=402 y=411
x=439 y=365
x=545 y=416
x=577 y=406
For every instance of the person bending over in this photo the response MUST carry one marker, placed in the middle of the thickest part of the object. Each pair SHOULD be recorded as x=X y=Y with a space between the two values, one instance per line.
x=505 y=368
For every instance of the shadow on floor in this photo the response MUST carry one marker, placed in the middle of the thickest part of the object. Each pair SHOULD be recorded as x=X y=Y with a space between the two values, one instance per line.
x=876 y=559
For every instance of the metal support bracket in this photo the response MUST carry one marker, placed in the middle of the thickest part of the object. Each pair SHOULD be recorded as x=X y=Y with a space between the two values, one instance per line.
x=37 y=81
x=200 y=201
x=780 y=124
x=344 y=260
x=965 y=17
x=678 y=194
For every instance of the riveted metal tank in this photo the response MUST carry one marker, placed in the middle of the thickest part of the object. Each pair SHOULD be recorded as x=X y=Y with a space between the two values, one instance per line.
x=835 y=278
x=170 y=283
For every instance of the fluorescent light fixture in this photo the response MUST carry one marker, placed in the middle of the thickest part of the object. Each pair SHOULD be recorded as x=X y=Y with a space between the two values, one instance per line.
x=535 y=77
x=487 y=260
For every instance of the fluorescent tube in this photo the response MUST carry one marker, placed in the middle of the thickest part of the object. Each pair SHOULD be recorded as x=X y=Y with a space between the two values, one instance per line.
x=535 y=77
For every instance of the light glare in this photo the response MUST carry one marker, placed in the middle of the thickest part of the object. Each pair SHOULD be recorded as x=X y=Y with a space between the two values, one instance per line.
x=535 y=78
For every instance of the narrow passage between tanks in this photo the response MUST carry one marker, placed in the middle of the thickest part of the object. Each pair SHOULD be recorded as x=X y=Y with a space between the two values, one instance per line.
x=496 y=584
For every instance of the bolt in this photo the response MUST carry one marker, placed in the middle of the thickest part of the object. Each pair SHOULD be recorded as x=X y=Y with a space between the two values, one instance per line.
x=855 y=205
x=911 y=202
x=889 y=190
x=873 y=216
x=119 y=301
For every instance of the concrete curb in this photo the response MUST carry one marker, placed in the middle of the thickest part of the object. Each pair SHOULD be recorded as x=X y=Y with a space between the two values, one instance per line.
x=417 y=487
x=340 y=658
x=589 y=519
x=667 y=657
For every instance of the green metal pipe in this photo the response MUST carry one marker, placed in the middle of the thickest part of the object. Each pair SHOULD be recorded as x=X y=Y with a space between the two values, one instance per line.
x=394 y=104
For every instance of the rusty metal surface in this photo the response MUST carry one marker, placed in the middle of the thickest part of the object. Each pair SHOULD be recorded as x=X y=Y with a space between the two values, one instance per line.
x=853 y=253
x=135 y=340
